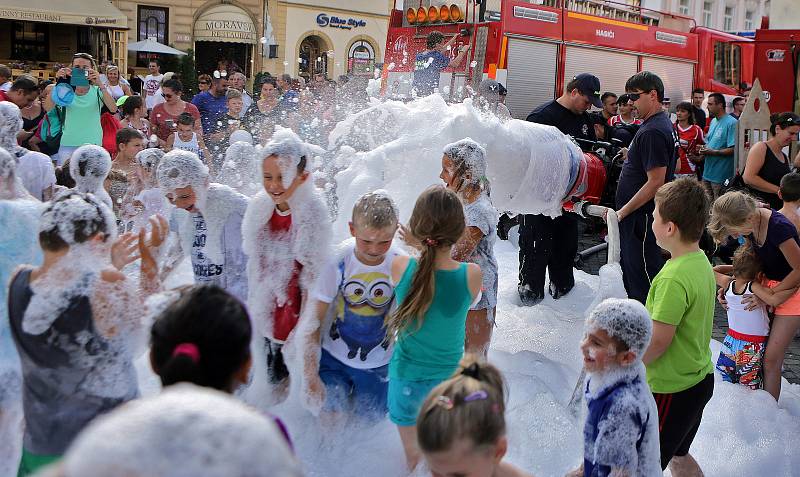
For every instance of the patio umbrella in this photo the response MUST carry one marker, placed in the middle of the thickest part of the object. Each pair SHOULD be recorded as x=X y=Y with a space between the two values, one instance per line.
x=151 y=46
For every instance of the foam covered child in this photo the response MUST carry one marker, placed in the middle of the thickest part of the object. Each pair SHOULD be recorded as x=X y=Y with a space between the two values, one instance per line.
x=621 y=430
x=434 y=294
x=186 y=430
x=240 y=170
x=461 y=426
x=352 y=357
x=34 y=170
x=287 y=234
x=144 y=198
x=19 y=224
x=464 y=172
x=206 y=224
x=76 y=323
x=89 y=166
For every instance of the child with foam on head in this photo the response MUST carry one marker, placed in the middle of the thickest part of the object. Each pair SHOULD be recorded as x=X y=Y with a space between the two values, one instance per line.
x=89 y=166
x=434 y=294
x=76 y=323
x=461 y=428
x=144 y=198
x=184 y=431
x=19 y=223
x=681 y=303
x=34 y=169
x=203 y=338
x=355 y=351
x=287 y=233
x=206 y=223
x=464 y=172
x=742 y=353
x=621 y=430
x=239 y=170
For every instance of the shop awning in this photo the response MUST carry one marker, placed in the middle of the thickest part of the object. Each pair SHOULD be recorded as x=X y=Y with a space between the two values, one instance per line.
x=225 y=22
x=152 y=46
x=96 y=13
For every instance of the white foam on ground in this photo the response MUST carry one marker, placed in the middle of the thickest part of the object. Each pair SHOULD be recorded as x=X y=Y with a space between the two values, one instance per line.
x=743 y=432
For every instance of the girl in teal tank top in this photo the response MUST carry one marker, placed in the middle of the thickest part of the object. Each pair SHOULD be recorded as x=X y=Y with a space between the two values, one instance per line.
x=434 y=294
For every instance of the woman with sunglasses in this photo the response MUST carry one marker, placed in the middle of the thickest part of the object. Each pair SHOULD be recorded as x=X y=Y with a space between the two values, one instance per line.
x=767 y=163
x=203 y=82
x=164 y=117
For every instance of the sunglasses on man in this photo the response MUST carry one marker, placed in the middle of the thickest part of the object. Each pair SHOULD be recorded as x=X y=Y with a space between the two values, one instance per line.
x=220 y=74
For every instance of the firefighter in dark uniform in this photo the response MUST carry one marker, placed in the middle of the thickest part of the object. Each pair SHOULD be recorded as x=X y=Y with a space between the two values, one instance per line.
x=546 y=243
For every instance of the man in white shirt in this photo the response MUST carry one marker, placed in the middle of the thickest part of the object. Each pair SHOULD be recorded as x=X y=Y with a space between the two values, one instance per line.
x=152 y=83
x=237 y=81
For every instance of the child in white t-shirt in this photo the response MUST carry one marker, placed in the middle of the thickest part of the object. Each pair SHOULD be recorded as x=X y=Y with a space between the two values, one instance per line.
x=742 y=353
x=350 y=371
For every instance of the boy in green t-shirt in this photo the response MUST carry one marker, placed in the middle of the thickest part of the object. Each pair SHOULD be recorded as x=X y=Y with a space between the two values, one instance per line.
x=681 y=304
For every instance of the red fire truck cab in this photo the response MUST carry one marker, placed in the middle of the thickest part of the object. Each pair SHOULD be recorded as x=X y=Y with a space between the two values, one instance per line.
x=535 y=47
x=775 y=64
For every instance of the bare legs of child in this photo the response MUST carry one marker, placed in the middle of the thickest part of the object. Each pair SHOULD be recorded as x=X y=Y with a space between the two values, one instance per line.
x=408 y=435
x=479 y=331
x=685 y=466
x=784 y=328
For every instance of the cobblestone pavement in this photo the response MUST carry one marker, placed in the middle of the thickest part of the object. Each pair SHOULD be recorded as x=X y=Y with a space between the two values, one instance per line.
x=791 y=364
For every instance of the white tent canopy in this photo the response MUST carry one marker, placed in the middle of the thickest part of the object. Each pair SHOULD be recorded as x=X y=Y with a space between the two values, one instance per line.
x=151 y=46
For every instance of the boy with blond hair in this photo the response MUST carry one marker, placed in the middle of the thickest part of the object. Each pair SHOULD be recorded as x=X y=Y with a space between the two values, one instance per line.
x=681 y=304
x=349 y=372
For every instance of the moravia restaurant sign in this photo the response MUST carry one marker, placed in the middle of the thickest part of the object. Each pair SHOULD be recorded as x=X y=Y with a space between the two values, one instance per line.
x=227 y=23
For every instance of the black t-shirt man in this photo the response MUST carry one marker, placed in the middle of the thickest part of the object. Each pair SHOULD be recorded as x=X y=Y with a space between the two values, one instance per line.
x=554 y=114
x=653 y=146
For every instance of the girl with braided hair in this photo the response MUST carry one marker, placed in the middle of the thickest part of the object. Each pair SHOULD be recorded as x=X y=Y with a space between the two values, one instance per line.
x=434 y=294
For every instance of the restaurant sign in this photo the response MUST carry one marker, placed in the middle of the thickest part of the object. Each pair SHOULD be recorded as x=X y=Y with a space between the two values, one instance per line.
x=227 y=23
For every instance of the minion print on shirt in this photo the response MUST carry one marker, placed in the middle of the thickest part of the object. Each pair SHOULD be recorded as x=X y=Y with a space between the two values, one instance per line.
x=362 y=306
x=360 y=298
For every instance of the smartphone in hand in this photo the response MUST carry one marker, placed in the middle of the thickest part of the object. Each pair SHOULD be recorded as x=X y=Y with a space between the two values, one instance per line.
x=78 y=77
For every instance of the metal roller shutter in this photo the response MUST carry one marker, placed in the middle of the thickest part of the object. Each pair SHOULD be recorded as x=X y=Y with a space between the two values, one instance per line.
x=611 y=67
x=676 y=75
x=531 y=75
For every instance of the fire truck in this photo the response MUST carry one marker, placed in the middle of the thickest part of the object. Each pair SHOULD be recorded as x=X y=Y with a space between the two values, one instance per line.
x=775 y=64
x=535 y=47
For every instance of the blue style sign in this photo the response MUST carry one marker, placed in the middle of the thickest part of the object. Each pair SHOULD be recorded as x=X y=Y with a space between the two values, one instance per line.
x=324 y=20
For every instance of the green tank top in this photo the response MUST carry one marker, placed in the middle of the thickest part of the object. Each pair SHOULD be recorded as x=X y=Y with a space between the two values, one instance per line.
x=434 y=350
x=82 y=123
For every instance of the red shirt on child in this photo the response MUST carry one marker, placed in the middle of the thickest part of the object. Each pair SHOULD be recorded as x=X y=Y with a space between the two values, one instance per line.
x=286 y=315
x=689 y=140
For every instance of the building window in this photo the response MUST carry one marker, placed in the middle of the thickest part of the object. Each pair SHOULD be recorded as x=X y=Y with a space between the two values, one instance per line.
x=30 y=41
x=708 y=9
x=727 y=58
x=728 y=20
x=153 y=22
x=748 y=20
x=683 y=7
x=361 y=58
